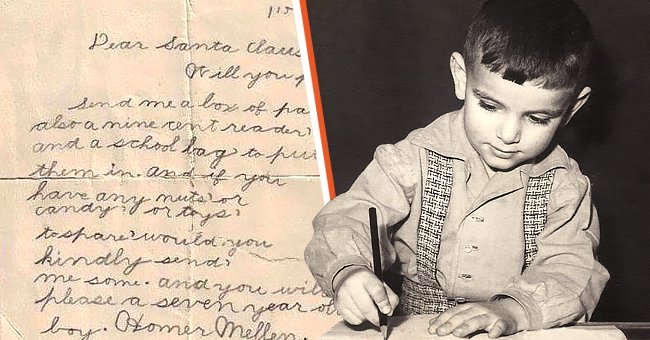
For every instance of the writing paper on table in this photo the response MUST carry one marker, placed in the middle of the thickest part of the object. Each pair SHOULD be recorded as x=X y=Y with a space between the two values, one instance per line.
x=158 y=172
x=416 y=328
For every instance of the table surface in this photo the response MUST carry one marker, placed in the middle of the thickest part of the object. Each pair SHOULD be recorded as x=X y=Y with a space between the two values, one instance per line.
x=632 y=330
x=596 y=330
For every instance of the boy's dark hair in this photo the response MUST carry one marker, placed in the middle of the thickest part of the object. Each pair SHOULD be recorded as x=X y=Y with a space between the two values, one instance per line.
x=547 y=41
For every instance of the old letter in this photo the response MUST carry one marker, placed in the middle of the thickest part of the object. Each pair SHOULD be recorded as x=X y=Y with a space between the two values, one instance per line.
x=158 y=172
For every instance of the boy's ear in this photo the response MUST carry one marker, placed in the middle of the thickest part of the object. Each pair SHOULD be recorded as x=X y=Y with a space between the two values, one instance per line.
x=582 y=98
x=459 y=73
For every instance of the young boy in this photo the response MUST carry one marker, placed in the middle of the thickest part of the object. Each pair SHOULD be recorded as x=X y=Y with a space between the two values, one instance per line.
x=482 y=216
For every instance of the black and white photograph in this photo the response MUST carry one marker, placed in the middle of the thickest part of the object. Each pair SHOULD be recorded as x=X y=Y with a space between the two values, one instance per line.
x=503 y=145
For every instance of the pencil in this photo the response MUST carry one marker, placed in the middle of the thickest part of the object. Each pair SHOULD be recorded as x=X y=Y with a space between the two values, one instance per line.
x=376 y=264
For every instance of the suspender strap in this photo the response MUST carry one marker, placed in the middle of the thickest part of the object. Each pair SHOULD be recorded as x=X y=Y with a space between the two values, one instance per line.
x=427 y=297
x=535 y=211
x=435 y=201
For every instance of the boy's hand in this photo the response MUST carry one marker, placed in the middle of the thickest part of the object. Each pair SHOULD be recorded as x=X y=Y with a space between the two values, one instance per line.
x=500 y=317
x=359 y=295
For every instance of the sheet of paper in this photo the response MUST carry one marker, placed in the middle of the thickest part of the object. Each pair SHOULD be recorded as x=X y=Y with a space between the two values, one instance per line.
x=158 y=172
x=416 y=327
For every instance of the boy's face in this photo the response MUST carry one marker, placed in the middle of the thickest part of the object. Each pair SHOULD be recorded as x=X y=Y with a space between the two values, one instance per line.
x=509 y=124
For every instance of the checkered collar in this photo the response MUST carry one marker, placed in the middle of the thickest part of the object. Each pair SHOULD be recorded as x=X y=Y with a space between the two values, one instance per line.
x=446 y=136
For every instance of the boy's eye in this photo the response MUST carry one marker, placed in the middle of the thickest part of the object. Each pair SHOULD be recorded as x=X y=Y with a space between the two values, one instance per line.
x=487 y=106
x=539 y=120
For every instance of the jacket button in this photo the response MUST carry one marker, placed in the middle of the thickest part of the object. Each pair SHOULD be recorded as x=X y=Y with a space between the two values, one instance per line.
x=470 y=248
x=465 y=276
x=479 y=219
x=457 y=299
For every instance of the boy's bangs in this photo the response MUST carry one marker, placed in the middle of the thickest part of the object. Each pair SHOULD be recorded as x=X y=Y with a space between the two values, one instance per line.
x=542 y=65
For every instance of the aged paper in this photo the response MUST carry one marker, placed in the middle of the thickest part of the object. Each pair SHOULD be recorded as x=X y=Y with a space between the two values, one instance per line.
x=158 y=172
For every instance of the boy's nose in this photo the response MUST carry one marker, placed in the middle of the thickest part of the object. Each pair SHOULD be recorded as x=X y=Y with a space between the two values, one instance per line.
x=509 y=131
